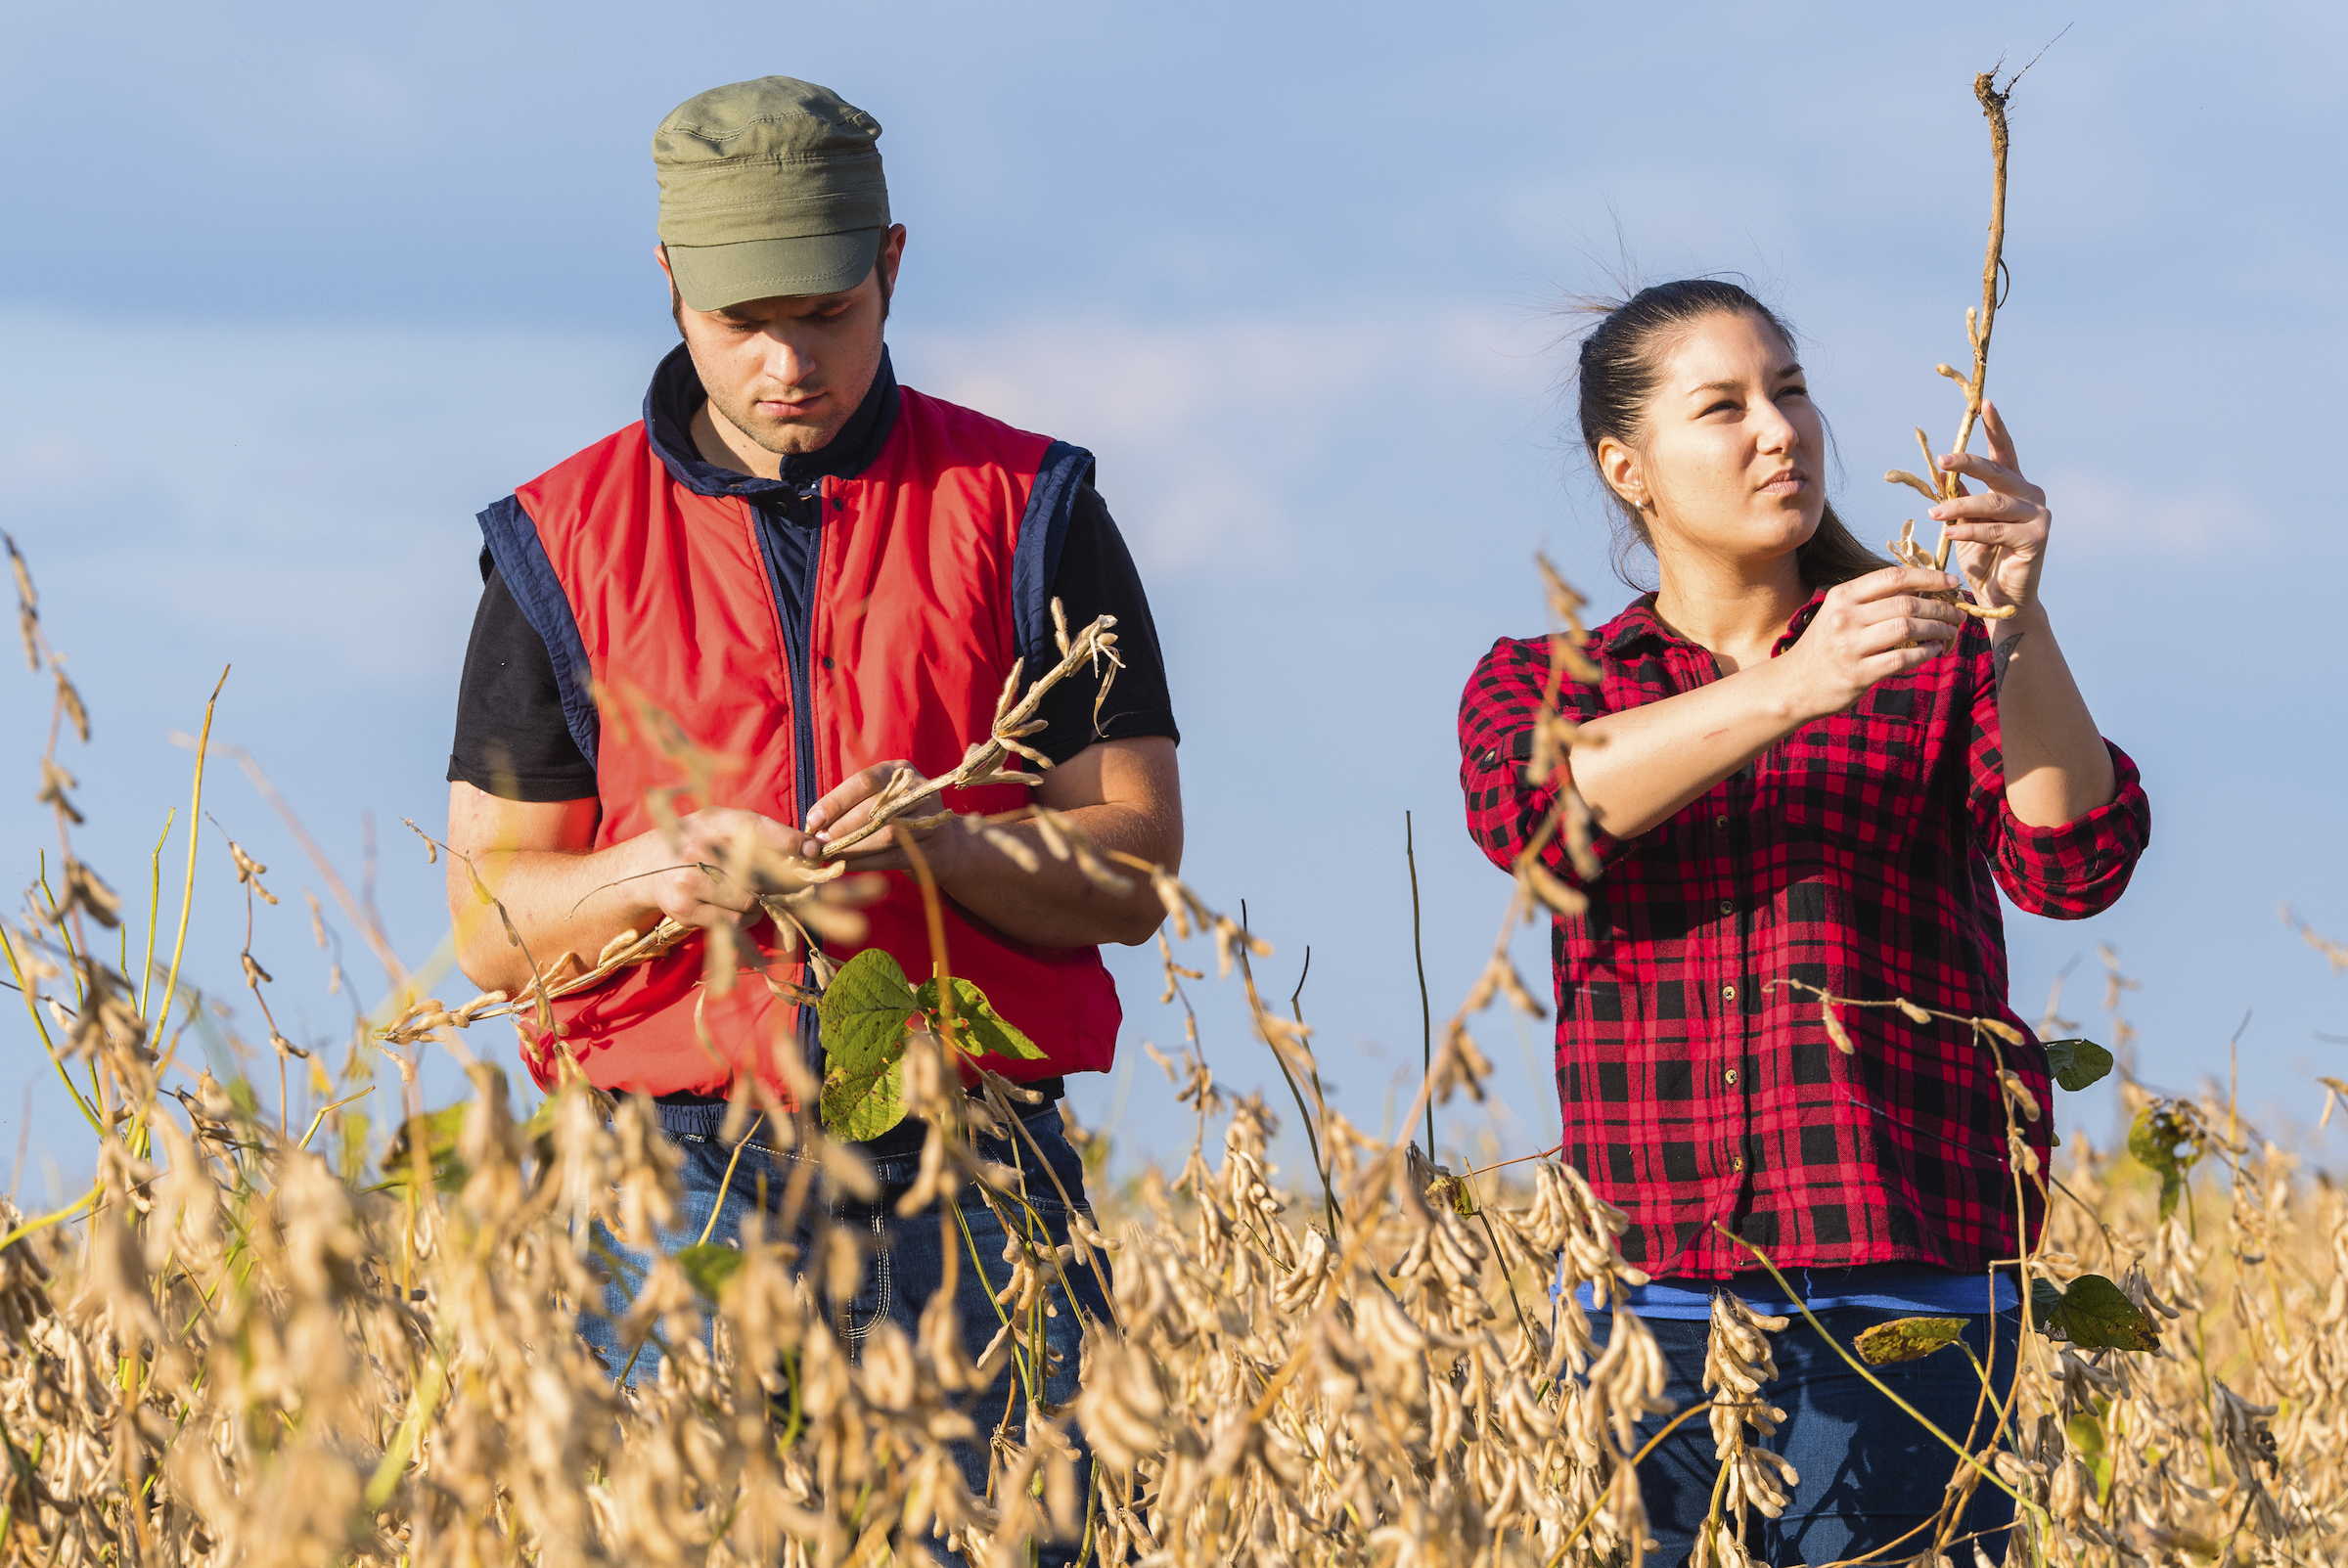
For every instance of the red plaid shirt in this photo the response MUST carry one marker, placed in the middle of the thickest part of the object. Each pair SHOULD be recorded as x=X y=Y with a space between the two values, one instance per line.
x=1857 y=854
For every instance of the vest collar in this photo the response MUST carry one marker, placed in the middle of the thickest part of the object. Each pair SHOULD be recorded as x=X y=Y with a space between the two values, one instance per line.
x=676 y=393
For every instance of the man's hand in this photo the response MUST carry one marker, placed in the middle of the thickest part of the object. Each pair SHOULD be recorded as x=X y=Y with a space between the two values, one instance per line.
x=713 y=872
x=564 y=895
x=1125 y=794
x=849 y=806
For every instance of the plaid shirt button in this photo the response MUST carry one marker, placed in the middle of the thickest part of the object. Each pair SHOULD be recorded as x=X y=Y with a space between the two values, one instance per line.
x=1869 y=849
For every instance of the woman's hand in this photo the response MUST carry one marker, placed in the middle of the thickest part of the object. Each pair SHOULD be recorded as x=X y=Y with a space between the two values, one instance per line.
x=1869 y=629
x=2000 y=535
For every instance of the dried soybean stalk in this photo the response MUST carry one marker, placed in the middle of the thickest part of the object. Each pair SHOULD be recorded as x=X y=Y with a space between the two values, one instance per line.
x=1979 y=321
x=983 y=763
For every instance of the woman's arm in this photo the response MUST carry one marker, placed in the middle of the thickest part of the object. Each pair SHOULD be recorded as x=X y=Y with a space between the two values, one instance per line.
x=2057 y=768
x=1658 y=757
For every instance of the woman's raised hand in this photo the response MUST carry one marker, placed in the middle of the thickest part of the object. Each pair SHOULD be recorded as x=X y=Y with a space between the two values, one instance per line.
x=1999 y=534
x=1868 y=630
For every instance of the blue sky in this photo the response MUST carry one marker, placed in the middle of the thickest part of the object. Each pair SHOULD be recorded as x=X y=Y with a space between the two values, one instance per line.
x=293 y=292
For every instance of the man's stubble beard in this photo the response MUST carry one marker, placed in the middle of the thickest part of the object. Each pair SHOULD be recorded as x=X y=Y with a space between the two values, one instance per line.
x=786 y=441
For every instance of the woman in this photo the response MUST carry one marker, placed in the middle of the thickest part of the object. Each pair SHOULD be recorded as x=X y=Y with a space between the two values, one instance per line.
x=1800 y=769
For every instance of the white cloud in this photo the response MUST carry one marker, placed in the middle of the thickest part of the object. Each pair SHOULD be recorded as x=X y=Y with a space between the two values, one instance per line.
x=2115 y=512
x=1215 y=438
x=304 y=489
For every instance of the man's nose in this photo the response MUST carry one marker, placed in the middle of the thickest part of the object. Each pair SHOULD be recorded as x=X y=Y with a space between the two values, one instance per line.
x=784 y=360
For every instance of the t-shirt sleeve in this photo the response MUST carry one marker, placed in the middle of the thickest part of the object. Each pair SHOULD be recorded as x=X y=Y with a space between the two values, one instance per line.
x=1097 y=577
x=511 y=739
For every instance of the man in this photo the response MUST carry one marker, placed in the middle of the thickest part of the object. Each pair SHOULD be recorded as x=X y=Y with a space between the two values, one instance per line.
x=790 y=579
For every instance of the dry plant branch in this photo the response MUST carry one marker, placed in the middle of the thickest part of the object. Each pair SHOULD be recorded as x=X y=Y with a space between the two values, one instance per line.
x=1015 y=719
x=795 y=900
x=1980 y=321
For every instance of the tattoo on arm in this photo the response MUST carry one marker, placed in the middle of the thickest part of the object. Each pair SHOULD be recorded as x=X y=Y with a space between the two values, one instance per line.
x=2000 y=657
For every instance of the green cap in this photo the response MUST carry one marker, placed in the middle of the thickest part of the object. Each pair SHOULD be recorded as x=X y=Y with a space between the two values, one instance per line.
x=769 y=187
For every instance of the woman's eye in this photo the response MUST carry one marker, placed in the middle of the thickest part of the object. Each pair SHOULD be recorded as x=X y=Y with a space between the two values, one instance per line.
x=1796 y=391
x=1720 y=407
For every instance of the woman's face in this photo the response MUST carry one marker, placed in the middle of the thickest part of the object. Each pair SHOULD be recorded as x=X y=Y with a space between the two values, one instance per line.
x=1729 y=463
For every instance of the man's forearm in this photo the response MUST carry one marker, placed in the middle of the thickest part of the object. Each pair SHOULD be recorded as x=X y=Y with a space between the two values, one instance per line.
x=1057 y=905
x=560 y=901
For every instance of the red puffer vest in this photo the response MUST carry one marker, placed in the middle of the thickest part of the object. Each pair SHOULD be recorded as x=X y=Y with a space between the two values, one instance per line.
x=932 y=577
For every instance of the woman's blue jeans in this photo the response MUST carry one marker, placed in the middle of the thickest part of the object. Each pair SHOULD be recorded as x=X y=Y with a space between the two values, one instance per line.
x=907 y=1265
x=1869 y=1474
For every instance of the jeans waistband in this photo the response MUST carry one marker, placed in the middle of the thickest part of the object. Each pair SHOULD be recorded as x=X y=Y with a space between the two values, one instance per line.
x=704 y=1115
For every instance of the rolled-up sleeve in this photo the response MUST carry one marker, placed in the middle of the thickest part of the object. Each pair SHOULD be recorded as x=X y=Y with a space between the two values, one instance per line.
x=2066 y=872
x=1498 y=714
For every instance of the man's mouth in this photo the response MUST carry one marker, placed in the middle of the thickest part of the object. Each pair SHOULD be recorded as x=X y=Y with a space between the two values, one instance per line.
x=788 y=407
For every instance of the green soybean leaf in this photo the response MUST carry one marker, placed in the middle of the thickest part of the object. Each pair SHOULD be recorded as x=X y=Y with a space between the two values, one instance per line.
x=2077 y=1063
x=1908 y=1339
x=2085 y=1434
x=708 y=1265
x=866 y=1014
x=240 y=1095
x=435 y=1134
x=984 y=1030
x=2094 y=1313
x=2160 y=1140
x=541 y=1125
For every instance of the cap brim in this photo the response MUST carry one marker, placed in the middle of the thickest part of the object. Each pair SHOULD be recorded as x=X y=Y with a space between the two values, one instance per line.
x=712 y=277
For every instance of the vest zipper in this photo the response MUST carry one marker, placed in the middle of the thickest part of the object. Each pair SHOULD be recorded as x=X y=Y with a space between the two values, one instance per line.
x=802 y=671
x=802 y=734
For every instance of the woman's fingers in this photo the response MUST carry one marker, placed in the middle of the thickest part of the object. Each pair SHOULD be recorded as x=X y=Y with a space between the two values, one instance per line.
x=1882 y=585
x=1893 y=661
x=1990 y=506
x=1886 y=635
x=2012 y=535
x=1998 y=476
x=2001 y=440
x=1911 y=607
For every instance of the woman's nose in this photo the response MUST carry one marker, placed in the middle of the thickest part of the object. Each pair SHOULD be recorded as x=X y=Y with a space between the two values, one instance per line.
x=1774 y=431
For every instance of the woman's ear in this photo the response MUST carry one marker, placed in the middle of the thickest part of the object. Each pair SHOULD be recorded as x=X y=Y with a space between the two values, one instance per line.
x=1620 y=468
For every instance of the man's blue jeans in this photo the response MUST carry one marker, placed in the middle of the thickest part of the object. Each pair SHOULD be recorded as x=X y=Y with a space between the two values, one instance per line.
x=1869 y=1474
x=907 y=1265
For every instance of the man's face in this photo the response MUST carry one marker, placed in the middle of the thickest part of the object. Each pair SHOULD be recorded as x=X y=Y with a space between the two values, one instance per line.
x=787 y=372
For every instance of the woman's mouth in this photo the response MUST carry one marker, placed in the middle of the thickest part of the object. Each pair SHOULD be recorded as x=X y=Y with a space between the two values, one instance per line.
x=1789 y=482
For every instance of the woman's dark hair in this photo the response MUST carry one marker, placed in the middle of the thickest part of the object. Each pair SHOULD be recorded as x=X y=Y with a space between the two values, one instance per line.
x=1621 y=361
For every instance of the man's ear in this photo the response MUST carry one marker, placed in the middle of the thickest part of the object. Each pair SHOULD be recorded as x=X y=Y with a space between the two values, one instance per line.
x=676 y=300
